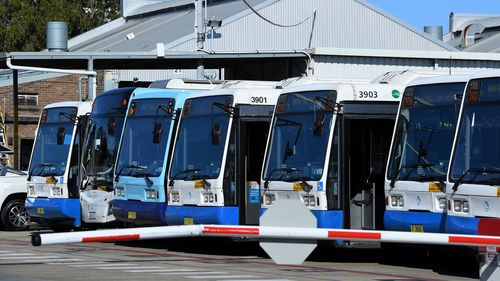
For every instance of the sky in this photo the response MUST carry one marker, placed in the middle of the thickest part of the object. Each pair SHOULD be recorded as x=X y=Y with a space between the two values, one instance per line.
x=420 y=13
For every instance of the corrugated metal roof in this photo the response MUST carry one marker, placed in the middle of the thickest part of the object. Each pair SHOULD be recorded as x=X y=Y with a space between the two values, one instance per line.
x=338 y=24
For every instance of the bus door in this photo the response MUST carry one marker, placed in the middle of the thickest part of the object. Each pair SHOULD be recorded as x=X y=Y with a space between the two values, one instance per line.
x=252 y=131
x=367 y=140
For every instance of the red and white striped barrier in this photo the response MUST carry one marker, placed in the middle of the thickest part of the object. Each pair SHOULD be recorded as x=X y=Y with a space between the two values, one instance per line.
x=263 y=232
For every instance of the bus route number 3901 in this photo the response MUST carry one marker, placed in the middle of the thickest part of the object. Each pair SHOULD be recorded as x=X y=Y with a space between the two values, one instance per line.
x=258 y=100
x=368 y=94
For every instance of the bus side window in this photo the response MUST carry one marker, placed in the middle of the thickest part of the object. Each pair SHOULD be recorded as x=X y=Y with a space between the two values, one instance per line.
x=332 y=178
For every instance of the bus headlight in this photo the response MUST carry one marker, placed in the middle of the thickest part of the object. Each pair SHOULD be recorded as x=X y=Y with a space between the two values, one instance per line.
x=309 y=200
x=401 y=201
x=31 y=190
x=442 y=203
x=394 y=201
x=120 y=191
x=269 y=198
x=174 y=196
x=465 y=206
x=397 y=201
x=56 y=191
x=457 y=205
x=151 y=194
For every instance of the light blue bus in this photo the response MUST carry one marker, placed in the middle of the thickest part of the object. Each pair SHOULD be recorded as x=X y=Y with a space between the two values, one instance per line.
x=142 y=162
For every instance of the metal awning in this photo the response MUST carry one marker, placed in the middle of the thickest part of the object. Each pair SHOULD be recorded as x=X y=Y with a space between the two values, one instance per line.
x=144 y=60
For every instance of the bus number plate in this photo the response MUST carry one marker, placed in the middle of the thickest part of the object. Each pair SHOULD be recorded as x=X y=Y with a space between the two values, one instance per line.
x=188 y=221
x=417 y=228
x=40 y=210
x=132 y=215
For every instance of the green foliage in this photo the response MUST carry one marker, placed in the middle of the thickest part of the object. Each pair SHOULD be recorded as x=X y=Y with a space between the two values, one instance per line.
x=23 y=23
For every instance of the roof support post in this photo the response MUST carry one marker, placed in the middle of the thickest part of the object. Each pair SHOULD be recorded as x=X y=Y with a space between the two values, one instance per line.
x=15 y=103
x=92 y=83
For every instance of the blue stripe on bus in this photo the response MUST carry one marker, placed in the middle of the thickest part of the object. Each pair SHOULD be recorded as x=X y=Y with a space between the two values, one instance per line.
x=462 y=225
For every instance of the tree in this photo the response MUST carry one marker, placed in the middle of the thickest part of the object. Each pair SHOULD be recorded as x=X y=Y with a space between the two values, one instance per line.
x=23 y=23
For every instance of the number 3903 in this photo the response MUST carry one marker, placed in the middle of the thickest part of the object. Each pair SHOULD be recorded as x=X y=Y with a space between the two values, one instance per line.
x=368 y=94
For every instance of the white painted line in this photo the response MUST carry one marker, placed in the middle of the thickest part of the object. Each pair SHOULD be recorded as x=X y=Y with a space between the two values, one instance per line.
x=30 y=257
x=256 y=280
x=103 y=264
x=16 y=254
x=65 y=261
x=29 y=260
x=162 y=270
x=6 y=251
x=127 y=267
x=222 y=277
x=193 y=273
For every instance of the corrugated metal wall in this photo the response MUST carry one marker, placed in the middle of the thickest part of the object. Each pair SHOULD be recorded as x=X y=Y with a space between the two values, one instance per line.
x=162 y=74
x=337 y=24
x=350 y=67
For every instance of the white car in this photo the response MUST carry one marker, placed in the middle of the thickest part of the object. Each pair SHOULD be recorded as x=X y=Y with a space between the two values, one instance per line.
x=13 y=215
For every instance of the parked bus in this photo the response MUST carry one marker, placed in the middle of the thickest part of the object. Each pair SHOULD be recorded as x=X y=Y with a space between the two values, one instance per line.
x=327 y=148
x=53 y=173
x=145 y=148
x=473 y=191
x=99 y=154
x=218 y=152
x=421 y=147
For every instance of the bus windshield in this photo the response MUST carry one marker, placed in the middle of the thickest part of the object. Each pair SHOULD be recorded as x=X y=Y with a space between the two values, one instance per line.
x=106 y=123
x=53 y=141
x=300 y=133
x=145 y=137
x=201 y=138
x=425 y=131
x=476 y=158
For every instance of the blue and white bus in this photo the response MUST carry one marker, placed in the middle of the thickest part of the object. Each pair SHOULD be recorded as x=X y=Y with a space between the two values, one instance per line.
x=328 y=147
x=472 y=191
x=218 y=154
x=145 y=147
x=99 y=154
x=421 y=147
x=53 y=173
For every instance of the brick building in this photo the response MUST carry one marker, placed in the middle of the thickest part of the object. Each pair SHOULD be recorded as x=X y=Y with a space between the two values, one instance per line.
x=33 y=97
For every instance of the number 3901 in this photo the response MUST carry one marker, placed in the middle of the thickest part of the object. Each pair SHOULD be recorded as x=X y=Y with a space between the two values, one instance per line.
x=258 y=100
x=368 y=94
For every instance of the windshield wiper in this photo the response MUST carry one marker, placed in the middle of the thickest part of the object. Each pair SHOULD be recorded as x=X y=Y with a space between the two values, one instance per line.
x=411 y=166
x=430 y=178
x=186 y=171
x=131 y=167
x=202 y=178
x=476 y=171
x=305 y=185
x=42 y=165
x=149 y=182
x=289 y=151
x=286 y=170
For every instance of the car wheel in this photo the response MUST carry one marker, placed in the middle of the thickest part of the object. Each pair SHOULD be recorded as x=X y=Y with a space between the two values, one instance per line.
x=14 y=215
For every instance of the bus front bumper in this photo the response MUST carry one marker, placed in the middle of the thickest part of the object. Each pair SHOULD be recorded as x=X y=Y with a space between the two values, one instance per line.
x=179 y=215
x=415 y=221
x=55 y=211
x=139 y=213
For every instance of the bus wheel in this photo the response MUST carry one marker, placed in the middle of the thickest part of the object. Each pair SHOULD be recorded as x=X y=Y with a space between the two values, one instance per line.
x=14 y=215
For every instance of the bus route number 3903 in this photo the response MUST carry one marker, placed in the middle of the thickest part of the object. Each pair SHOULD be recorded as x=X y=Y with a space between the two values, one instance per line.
x=258 y=100
x=368 y=94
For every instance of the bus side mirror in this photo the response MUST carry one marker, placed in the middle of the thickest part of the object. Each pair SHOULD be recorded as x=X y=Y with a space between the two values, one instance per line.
x=157 y=132
x=215 y=133
x=61 y=132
